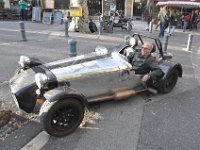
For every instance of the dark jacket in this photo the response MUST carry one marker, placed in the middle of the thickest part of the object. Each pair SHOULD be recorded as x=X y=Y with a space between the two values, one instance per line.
x=145 y=65
x=173 y=19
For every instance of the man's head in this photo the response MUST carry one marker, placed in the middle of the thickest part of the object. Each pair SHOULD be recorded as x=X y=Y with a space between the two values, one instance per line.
x=147 y=48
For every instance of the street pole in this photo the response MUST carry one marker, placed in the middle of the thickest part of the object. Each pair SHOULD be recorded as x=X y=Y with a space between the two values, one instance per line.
x=189 y=43
x=66 y=28
x=100 y=27
x=150 y=26
x=128 y=26
x=22 y=30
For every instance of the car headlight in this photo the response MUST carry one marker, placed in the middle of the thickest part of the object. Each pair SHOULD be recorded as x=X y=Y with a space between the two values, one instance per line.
x=24 y=61
x=41 y=80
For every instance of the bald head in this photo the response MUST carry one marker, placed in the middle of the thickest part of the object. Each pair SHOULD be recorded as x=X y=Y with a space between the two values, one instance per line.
x=147 y=48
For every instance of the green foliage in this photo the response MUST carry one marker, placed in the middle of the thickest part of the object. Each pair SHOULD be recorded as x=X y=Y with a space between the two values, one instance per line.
x=1 y=4
x=152 y=8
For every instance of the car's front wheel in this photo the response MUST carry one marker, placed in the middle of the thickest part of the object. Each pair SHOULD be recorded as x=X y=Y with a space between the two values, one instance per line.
x=170 y=81
x=61 y=117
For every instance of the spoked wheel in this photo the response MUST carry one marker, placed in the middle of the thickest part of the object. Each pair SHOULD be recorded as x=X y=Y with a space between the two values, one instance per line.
x=170 y=81
x=62 y=117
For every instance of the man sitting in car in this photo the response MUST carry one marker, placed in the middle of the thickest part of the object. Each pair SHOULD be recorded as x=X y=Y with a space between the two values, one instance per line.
x=145 y=64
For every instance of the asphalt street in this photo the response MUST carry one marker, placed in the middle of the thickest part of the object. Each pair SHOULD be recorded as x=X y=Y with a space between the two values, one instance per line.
x=157 y=122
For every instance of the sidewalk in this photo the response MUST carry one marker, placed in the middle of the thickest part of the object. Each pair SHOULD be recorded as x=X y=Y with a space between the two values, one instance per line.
x=57 y=29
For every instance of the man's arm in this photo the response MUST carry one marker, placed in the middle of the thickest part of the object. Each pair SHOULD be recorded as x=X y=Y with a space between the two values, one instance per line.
x=131 y=56
x=156 y=72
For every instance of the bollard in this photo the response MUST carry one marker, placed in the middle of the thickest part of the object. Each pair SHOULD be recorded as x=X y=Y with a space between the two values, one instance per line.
x=189 y=43
x=66 y=28
x=110 y=27
x=72 y=47
x=128 y=26
x=150 y=26
x=165 y=43
x=100 y=27
x=126 y=39
x=22 y=30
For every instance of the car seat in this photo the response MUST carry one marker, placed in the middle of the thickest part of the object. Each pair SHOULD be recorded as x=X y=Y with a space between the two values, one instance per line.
x=131 y=47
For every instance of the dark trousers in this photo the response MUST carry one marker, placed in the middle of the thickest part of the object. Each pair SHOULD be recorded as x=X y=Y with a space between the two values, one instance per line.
x=23 y=14
x=162 y=29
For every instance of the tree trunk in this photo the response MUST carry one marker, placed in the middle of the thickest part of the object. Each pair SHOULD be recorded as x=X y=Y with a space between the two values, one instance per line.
x=83 y=23
x=84 y=20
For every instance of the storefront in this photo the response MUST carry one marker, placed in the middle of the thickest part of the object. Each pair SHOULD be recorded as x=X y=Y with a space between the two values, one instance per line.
x=96 y=6
x=129 y=7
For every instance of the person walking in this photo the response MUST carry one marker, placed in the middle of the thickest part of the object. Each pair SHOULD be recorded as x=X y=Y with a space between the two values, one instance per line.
x=23 y=6
x=194 y=20
x=186 y=20
x=163 y=17
x=173 y=20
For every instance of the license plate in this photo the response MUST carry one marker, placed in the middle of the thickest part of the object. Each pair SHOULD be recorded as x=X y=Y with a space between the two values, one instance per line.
x=15 y=99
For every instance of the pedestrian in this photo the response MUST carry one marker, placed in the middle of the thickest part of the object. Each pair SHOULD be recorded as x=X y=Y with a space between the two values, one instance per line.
x=157 y=24
x=173 y=20
x=145 y=64
x=148 y=23
x=186 y=20
x=23 y=6
x=164 y=21
x=194 y=19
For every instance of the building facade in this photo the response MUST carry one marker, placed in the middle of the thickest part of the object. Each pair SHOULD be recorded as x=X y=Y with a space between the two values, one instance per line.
x=130 y=7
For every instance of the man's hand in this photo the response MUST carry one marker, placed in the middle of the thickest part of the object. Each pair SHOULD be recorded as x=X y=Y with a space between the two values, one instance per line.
x=145 y=77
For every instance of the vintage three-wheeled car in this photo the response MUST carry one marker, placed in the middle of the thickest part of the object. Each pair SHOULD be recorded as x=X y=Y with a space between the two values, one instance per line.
x=61 y=90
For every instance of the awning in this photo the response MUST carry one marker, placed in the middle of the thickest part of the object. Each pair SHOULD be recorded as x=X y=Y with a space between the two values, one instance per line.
x=184 y=4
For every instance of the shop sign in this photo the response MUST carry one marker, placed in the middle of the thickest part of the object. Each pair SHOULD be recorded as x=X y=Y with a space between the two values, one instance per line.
x=75 y=11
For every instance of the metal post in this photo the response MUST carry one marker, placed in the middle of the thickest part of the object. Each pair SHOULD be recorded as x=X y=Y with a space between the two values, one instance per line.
x=100 y=27
x=150 y=26
x=128 y=26
x=66 y=28
x=22 y=30
x=72 y=47
x=165 y=43
x=189 y=43
x=110 y=27
x=126 y=39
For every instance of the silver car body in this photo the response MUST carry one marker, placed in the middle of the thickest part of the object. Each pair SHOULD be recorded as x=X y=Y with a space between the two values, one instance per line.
x=94 y=76
x=97 y=76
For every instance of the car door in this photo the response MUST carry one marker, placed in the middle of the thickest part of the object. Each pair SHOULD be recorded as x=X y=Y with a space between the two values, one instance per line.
x=128 y=79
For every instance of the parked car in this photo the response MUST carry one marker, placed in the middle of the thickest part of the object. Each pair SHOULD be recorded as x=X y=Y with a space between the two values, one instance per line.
x=61 y=90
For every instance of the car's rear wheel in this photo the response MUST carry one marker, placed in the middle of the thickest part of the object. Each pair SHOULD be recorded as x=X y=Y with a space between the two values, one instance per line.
x=170 y=81
x=62 y=117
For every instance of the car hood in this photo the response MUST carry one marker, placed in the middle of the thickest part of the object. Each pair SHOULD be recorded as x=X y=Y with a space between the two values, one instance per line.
x=75 y=68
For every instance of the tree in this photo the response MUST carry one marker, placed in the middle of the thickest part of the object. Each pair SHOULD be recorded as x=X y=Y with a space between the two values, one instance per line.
x=84 y=20
x=150 y=7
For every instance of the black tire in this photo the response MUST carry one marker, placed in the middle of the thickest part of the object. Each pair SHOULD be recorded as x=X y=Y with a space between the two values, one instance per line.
x=170 y=81
x=62 y=117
